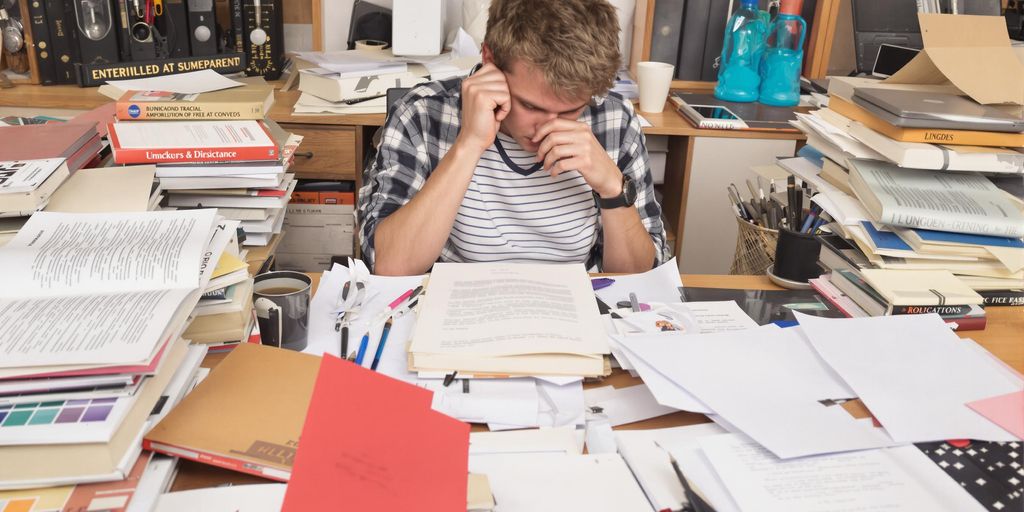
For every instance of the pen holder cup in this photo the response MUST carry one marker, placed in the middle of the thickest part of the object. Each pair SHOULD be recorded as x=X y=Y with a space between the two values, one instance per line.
x=796 y=256
x=755 y=249
x=281 y=300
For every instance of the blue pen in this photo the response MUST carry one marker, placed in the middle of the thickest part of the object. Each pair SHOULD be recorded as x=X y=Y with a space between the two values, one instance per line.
x=362 y=348
x=380 y=346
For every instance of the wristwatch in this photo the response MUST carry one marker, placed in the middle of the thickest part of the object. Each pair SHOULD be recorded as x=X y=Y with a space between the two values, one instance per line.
x=626 y=198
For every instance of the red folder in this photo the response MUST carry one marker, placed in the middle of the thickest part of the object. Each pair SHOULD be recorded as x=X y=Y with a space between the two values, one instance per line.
x=371 y=442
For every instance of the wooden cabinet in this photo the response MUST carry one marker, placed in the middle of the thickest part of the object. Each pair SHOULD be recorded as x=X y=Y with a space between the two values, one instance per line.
x=328 y=152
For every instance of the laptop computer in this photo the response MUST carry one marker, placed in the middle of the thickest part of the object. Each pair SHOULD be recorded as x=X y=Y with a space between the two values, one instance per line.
x=914 y=109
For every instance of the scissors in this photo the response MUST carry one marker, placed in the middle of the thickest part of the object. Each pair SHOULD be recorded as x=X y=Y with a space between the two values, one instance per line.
x=350 y=303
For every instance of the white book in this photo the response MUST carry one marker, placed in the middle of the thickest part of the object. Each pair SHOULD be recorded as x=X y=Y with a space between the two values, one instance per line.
x=222 y=169
x=76 y=285
x=26 y=185
x=941 y=201
x=216 y=182
x=208 y=201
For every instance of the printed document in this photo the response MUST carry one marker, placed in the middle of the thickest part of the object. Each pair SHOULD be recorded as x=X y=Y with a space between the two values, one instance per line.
x=890 y=480
x=99 y=288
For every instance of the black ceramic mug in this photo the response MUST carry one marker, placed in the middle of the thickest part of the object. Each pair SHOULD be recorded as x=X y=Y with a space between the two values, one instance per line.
x=281 y=300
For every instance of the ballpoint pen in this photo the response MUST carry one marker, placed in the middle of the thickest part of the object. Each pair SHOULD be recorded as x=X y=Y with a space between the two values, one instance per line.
x=380 y=346
x=360 y=100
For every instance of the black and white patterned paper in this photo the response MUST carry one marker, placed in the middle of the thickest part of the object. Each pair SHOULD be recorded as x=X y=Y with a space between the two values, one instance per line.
x=993 y=473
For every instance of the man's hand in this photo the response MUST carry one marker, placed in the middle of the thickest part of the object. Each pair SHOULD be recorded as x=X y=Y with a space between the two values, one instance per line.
x=569 y=145
x=485 y=103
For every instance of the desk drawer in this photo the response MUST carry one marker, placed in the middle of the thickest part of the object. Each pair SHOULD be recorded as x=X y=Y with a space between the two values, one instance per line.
x=326 y=152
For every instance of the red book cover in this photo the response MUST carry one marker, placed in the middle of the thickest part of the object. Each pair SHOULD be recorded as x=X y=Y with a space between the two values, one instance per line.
x=151 y=142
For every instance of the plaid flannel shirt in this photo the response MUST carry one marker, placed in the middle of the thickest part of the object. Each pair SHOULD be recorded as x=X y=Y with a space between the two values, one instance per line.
x=422 y=126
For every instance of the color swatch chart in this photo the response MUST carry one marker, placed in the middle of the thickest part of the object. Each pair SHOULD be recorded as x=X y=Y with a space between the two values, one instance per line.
x=56 y=412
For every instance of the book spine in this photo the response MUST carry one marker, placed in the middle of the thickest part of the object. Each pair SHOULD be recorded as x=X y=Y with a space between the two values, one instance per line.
x=175 y=111
x=968 y=324
x=42 y=41
x=61 y=30
x=211 y=459
x=1003 y=297
x=198 y=155
x=941 y=310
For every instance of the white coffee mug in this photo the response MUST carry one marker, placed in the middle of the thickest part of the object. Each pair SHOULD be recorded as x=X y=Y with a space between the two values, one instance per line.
x=654 y=79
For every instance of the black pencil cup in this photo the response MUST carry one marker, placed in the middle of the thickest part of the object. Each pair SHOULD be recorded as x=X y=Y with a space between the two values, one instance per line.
x=796 y=256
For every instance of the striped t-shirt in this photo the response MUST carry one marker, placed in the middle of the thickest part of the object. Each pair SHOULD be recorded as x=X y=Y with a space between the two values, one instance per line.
x=515 y=211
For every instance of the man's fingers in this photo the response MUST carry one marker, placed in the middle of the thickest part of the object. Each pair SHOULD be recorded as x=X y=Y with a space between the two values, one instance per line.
x=563 y=165
x=555 y=154
x=553 y=140
x=555 y=125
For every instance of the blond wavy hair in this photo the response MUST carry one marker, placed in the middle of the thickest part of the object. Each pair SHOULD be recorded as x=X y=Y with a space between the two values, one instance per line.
x=574 y=43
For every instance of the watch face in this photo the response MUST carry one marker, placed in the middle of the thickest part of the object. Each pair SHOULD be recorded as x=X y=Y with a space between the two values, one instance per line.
x=629 y=191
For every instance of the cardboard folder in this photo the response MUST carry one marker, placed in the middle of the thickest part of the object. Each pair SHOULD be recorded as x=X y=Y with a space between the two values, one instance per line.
x=971 y=52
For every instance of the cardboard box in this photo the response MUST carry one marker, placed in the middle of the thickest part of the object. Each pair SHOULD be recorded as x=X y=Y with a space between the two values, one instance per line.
x=971 y=52
x=318 y=229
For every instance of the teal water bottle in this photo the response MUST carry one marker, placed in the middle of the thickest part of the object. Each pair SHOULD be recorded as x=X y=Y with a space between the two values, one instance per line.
x=783 y=55
x=738 y=78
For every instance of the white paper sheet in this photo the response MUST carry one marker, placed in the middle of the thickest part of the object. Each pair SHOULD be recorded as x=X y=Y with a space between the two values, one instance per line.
x=752 y=378
x=896 y=479
x=531 y=483
x=65 y=253
x=625 y=405
x=913 y=373
x=666 y=392
x=238 y=498
x=660 y=284
x=557 y=440
x=718 y=316
x=844 y=208
x=645 y=453
x=194 y=82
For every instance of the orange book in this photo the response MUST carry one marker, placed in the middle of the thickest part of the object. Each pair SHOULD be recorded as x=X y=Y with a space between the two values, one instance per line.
x=337 y=198
x=926 y=135
x=299 y=197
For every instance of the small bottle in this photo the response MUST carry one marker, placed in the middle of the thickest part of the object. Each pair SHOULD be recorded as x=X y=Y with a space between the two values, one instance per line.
x=742 y=48
x=783 y=56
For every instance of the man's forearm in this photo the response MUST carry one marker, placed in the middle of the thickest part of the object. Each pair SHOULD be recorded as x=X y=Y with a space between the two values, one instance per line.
x=628 y=247
x=409 y=241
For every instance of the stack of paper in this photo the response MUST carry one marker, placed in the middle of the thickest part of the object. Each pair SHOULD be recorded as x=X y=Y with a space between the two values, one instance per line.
x=501 y=403
x=512 y=319
x=357 y=81
x=92 y=335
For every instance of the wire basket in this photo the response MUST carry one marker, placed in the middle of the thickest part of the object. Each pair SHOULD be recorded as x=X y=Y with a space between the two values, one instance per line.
x=755 y=249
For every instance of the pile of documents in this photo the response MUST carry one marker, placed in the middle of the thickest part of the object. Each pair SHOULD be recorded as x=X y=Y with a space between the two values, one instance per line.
x=925 y=178
x=357 y=81
x=209 y=152
x=500 y=401
x=91 y=320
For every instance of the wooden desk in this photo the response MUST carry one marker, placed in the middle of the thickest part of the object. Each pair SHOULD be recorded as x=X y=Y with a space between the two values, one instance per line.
x=334 y=148
x=1001 y=337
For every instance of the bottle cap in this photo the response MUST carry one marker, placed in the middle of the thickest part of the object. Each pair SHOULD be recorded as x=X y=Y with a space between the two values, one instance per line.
x=791 y=7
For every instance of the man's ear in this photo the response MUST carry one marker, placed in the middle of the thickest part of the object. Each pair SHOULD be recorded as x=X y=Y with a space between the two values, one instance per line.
x=487 y=55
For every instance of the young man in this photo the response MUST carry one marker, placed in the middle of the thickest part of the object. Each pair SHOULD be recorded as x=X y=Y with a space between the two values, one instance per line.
x=525 y=160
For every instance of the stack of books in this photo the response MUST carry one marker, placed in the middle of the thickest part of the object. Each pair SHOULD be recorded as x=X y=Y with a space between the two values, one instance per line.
x=357 y=81
x=917 y=199
x=35 y=159
x=95 y=352
x=212 y=150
